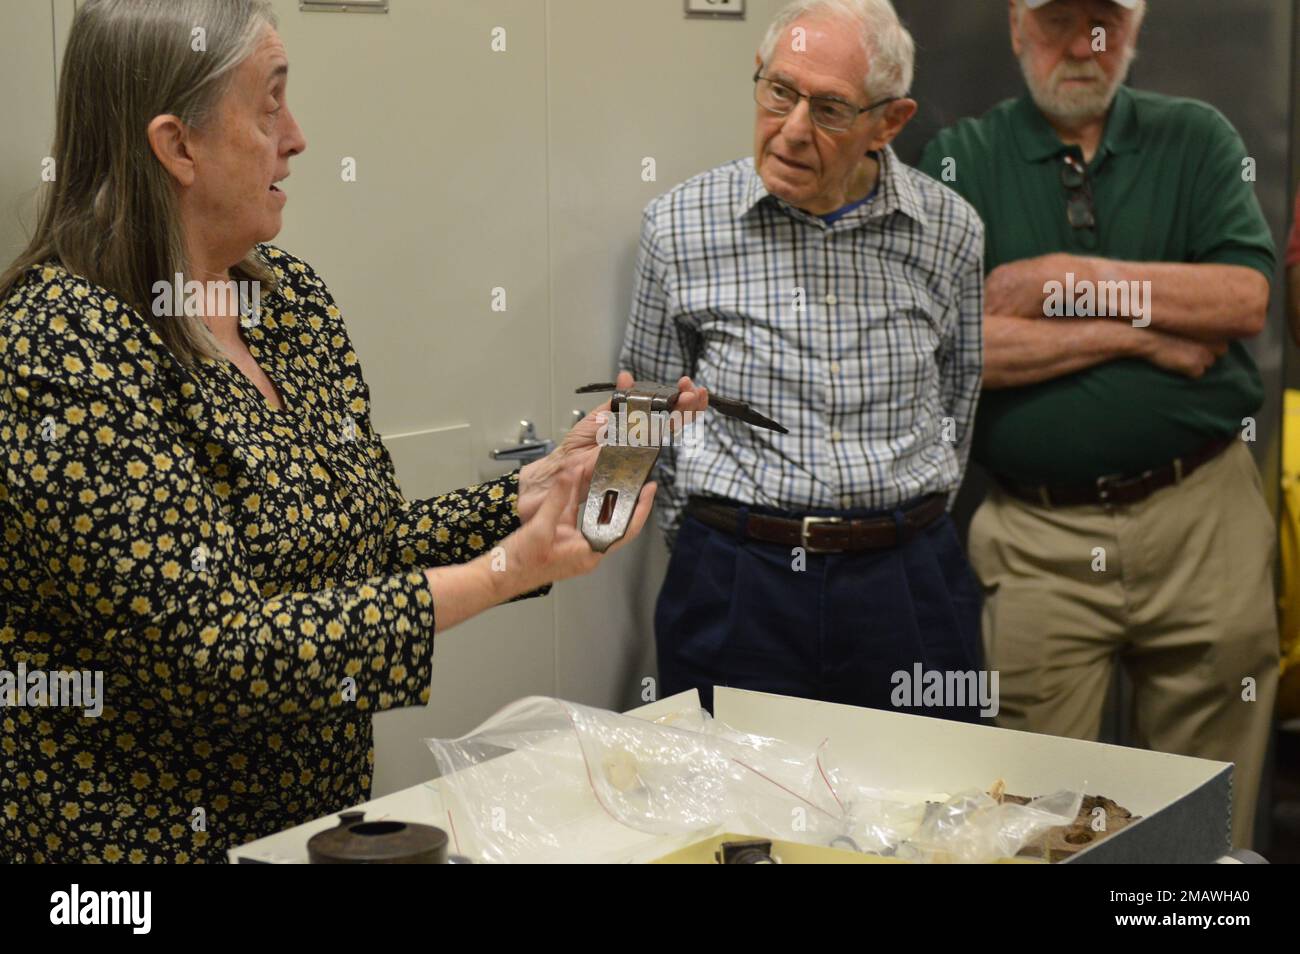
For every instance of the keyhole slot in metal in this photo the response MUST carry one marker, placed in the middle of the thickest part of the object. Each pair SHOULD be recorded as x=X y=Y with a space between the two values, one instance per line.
x=607 y=507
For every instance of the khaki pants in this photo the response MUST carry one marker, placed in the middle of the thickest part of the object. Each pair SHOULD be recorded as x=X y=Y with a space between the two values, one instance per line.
x=1185 y=602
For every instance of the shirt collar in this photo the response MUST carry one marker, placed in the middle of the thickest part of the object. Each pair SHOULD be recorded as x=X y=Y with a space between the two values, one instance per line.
x=1037 y=140
x=895 y=193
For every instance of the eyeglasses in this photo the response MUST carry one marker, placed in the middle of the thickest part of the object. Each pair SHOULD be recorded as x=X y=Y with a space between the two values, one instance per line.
x=1078 y=189
x=833 y=115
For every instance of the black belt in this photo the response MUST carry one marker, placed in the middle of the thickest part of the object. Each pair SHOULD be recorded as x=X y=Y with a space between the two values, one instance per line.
x=1114 y=490
x=819 y=534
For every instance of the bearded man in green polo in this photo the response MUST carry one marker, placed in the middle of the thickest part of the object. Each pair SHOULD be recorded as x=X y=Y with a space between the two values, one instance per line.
x=1127 y=260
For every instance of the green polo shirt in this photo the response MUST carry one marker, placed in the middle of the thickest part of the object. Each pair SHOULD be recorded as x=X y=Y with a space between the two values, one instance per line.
x=1167 y=186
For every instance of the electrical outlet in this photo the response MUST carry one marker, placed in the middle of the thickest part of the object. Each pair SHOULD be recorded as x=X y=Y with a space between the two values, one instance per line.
x=727 y=9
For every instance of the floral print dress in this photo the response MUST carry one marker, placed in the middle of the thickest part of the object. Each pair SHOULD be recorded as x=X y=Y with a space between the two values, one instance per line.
x=248 y=580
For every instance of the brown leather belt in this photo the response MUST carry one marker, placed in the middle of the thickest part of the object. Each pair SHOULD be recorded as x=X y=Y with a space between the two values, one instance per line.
x=819 y=534
x=1117 y=490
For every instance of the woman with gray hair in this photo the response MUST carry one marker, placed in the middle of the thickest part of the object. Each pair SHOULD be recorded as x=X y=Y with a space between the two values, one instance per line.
x=193 y=500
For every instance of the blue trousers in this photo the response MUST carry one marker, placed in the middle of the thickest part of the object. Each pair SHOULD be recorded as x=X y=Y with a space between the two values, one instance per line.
x=838 y=628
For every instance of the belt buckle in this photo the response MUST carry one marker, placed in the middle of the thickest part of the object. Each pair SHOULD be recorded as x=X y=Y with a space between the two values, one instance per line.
x=1105 y=485
x=803 y=535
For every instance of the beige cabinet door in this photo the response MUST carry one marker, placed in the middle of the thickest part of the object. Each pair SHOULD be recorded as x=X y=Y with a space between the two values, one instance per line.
x=421 y=199
x=500 y=148
x=636 y=90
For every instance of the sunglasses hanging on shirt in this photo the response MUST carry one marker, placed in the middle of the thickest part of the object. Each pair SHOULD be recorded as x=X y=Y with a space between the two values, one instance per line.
x=1079 y=209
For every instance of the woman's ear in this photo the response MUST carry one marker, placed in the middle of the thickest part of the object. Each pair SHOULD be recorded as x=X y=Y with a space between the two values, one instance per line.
x=170 y=141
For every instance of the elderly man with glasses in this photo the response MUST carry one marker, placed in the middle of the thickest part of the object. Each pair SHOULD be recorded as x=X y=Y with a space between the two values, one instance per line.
x=840 y=292
x=1129 y=259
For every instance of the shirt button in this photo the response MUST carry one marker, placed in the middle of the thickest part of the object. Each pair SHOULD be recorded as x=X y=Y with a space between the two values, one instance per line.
x=835 y=367
x=835 y=435
x=846 y=502
x=832 y=300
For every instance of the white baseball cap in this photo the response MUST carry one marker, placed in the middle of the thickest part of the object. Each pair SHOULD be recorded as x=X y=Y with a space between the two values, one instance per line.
x=1035 y=4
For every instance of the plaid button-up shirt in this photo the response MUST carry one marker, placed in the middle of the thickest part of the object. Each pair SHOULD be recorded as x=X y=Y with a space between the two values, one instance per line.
x=863 y=337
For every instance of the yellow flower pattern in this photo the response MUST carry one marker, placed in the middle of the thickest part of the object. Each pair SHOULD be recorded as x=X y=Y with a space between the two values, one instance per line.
x=247 y=579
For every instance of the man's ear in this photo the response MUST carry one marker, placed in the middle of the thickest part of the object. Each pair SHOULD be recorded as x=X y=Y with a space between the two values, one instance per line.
x=1015 y=27
x=169 y=139
x=1135 y=26
x=897 y=115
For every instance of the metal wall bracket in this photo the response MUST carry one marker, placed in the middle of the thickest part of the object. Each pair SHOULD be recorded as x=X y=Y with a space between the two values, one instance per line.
x=715 y=9
x=343 y=6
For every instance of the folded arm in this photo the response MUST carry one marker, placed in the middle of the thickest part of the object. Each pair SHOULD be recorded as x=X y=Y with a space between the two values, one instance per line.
x=1208 y=302
x=1192 y=313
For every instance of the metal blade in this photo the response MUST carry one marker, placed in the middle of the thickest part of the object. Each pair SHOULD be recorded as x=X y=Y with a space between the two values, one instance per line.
x=743 y=412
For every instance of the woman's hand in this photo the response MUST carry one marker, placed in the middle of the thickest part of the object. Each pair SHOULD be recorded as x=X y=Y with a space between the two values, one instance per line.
x=576 y=454
x=547 y=548
x=550 y=546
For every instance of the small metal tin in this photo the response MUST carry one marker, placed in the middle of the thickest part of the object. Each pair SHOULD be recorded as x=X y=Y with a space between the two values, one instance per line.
x=359 y=842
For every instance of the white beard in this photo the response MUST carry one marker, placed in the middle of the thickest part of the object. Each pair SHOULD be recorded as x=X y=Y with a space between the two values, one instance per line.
x=1078 y=105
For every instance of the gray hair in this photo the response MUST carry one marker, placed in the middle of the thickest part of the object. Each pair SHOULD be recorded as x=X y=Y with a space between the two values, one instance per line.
x=891 y=52
x=111 y=214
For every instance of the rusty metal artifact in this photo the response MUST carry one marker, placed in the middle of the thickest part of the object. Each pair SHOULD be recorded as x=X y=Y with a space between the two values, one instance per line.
x=622 y=468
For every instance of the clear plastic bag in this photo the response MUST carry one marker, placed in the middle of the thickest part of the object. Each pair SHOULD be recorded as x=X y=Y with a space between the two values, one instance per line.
x=547 y=780
x=972 y=827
